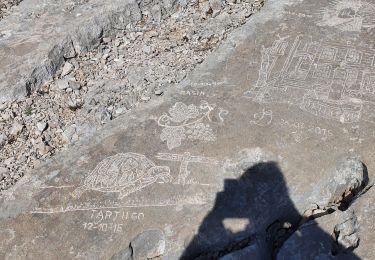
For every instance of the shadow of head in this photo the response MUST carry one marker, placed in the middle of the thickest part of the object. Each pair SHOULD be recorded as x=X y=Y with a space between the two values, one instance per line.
x=244 y=211
x=255 y=213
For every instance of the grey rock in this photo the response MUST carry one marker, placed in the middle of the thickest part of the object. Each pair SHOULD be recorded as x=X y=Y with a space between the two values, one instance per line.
x=125 y=254
x=156 y=13
x=3 y=140
x=41 y=126
x=68 y=67
x=32 y=53
x=158 y=92
x=148 y=244
x=347 y=178
x=69 y=133
x=74 y=85
x=69 y=51
x=105 y=116
x=250 y=252
x=62 y=84
x=346 y=232
x=107 y=40
x=114 y=184
x=73 y=103
x=322 y=238
x=16 y=128
x=215 y=6
x=3 y=105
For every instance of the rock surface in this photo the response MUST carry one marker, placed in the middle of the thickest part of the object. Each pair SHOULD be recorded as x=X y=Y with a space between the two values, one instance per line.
x=328 y=237
x=36 y=38
x=229 y=157
x=125 y=70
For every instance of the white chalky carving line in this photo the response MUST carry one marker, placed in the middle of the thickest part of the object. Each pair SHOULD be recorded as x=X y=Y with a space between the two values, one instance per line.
x=185 y=159
x=325 y=79
x=188 y=122
x=124 y=173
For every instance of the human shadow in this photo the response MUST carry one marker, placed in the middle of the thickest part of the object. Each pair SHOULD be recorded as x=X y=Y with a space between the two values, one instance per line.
x=254 y=216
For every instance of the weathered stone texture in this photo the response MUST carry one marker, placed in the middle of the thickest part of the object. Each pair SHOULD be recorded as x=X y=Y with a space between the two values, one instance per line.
x=235 y=153
x=35 y=40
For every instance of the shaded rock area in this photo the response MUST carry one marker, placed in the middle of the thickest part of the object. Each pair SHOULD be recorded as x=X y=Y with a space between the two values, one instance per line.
x=148 y=245
x=262 y=150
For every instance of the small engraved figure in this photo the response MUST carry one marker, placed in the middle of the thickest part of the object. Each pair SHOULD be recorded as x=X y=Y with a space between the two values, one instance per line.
x=185 y=159
x=262 y=118
x=188 y=122
x=349 y=15
x=124 y=173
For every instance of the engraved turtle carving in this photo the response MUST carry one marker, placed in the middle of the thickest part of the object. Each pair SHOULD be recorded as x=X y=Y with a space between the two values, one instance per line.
x=124 y=173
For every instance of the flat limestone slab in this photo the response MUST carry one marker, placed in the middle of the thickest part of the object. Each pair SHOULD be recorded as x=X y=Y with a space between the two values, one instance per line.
x=239 y=145
x=37 y=37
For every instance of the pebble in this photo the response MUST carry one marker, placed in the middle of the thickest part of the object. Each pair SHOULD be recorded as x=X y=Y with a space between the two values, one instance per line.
x=74 y=85
x=3 y=140
x=107 y=40
x=158 y=92
x=145 y=98
x=68 y=67
x=3 y=106
x=41 y=126
x=215 y=7
x=16 y=128
x=62 y=84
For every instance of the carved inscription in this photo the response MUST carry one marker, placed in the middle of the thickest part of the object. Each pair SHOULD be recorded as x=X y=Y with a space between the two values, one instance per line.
x=124 y=173
x=349 y=15
x=325 y=79
x=189 y=122
x=263 y=118
x=301 y=131
x=111 y=220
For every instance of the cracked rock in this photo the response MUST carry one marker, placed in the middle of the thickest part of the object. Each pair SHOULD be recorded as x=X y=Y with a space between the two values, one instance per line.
x=328 y=237
x=147 y=245
x=346 y=232
x=346 y=180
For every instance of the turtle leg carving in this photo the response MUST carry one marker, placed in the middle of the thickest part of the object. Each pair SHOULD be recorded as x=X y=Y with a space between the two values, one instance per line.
x=126 y=192
x=162 y=173
x=78 y=192
x=155 y=173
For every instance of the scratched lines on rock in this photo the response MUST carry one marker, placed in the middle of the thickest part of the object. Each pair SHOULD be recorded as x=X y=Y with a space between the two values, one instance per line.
x=111 y=220
x=328 y=80
x=348 y=15
x=190 y=122
x=127 y=173
x=199 y=198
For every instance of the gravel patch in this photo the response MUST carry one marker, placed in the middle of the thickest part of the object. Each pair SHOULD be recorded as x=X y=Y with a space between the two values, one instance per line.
x=126 y=70
x=6 y=7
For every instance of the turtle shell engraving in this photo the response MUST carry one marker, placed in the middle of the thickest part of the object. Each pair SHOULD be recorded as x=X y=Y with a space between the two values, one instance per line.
x=124 y=173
